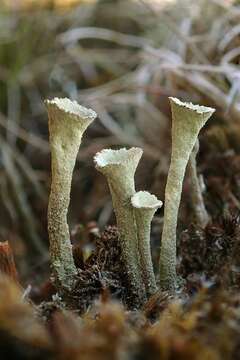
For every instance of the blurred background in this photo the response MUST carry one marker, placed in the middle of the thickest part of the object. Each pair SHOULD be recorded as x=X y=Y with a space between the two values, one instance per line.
x=123 y=59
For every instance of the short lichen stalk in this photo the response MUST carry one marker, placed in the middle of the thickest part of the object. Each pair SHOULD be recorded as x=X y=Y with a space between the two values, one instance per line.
x=67 y=123
x=201 y=216
x=145 y=206
x=187 y=121
x=119 y=167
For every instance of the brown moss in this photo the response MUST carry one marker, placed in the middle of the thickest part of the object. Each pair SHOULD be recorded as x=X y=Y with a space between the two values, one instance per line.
x=7 y=263
x=23 y=336
x=203 y=327
x=102 y=271
x=213 y=251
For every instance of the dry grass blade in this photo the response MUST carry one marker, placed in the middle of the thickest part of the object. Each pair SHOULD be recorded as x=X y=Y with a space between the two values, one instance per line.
x=21 y=202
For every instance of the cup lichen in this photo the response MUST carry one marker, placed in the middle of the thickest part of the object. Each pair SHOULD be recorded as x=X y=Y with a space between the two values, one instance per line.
x=67 y=122
x=187 y=121
x=145 y=206
x=119 y=167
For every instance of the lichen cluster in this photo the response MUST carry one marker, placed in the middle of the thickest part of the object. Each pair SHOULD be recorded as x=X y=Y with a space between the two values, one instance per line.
x=134 y=210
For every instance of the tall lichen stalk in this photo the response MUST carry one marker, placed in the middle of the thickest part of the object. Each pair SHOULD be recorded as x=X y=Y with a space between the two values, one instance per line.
x=67 y=123
x=187 y=121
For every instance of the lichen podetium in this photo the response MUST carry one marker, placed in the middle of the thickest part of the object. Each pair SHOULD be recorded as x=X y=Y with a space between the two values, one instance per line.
x=119 y=167
x=145 y=206
x=187 y=121
x=67 y=122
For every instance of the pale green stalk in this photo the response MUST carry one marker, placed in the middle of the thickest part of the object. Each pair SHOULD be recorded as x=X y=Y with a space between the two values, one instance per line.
x=67 y=123
x=187 y=121
x=201 y=216
x=145 y=206
x=119 y=167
